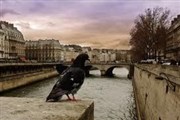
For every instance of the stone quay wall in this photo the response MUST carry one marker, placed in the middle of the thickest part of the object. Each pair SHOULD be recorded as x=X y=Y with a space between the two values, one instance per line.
x=16 y=75
x=157 y=92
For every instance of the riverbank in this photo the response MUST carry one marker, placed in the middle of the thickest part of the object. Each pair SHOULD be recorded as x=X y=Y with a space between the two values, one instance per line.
x=15 y=81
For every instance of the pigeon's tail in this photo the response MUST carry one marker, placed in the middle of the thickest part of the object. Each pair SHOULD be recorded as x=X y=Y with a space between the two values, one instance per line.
x=53 y=99
x=55 y=96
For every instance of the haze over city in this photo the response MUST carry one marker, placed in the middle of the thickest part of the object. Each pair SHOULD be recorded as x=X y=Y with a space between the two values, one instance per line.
x=94 y=23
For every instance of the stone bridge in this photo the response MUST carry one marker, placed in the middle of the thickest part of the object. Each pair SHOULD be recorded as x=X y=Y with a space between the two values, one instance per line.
x=105 y=68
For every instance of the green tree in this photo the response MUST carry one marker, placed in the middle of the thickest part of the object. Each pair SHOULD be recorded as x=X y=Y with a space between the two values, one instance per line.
x=149 y=34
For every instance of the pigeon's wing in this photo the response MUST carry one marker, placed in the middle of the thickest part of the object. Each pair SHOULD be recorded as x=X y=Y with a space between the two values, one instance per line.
x=62 y=86
x=70 y=82
x=78 y=76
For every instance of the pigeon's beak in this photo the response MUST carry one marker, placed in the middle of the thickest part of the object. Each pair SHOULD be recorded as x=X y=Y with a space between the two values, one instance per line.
x=87 y=63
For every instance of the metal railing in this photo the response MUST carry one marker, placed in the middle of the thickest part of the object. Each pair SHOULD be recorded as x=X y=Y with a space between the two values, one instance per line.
x=171 y=81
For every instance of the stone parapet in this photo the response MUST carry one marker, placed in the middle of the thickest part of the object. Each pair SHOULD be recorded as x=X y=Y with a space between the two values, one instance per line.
x=157 y=95
x=13 y=108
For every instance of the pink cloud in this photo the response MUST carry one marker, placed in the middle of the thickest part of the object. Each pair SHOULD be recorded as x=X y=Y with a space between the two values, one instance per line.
x=101 y=24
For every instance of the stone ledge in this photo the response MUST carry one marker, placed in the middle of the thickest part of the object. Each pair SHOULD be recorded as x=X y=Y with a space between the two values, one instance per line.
x=14 y=108
x=22 y=80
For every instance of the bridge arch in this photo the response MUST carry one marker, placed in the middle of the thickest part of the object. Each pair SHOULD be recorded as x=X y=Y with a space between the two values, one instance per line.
x=107 y=69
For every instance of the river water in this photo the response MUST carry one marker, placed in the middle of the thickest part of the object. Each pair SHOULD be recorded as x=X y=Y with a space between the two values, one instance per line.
x=113 y=97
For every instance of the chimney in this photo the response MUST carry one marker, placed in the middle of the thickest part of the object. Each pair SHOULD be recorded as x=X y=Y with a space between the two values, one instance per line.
x=6 y=24
x=11 y=26
x=178 y=17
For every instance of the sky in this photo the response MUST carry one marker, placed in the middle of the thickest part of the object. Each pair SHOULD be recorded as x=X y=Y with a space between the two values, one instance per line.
x=94 y=23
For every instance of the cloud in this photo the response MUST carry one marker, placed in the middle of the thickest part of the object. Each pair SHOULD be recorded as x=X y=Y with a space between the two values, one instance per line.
x=4 y=12
x=114 y=26
x=51 y=24
x=23 y=25
x=37 y=7
x=98 y=23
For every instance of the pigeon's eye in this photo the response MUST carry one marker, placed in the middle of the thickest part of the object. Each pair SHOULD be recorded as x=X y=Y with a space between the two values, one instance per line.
x=72 y=79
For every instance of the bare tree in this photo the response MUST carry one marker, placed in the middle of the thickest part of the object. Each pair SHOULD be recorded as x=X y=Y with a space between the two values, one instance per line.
x=149 y=34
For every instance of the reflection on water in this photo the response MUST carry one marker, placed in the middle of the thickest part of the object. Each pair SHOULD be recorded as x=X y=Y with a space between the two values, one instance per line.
x=113 y=97
x=121 y=73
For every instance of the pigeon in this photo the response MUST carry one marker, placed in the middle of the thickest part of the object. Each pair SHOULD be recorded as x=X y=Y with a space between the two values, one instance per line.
x=70 y=80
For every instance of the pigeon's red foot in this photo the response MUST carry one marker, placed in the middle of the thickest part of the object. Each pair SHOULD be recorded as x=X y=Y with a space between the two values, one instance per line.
x=74 y=99
x=68 y=97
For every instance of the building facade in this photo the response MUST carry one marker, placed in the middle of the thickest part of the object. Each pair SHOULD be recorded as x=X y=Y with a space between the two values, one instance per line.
x=123 y=56
x=44 y=50
x=12 y=44
x=107 y=55
x=173 y=41
x=71 y=52
x=103 y=55
x=2 y=40
x=95 y=55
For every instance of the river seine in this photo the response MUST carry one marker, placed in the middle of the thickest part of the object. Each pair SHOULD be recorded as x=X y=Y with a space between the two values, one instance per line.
x=113 y=97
